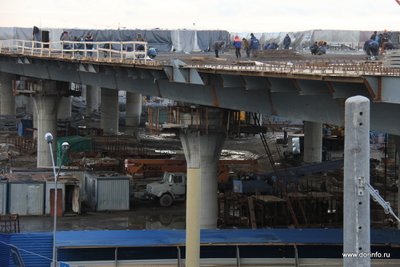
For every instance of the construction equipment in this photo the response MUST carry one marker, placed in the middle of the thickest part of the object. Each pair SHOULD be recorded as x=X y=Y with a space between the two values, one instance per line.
x=171 y=188
x=156 y=167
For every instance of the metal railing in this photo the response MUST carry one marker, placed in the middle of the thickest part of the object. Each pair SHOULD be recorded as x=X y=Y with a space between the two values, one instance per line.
x=108 y=51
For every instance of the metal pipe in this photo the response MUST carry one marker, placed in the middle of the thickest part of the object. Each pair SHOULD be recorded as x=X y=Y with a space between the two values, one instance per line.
x=54 y=259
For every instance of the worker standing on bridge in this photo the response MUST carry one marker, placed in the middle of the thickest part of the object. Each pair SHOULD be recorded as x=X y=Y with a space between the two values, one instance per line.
x=254 y=45
x=89 y=43
x=238 y=45
x=286 y=42
x=246 y=47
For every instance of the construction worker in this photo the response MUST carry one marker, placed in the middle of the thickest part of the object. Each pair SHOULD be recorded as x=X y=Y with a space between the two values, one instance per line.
x=314 y=48
x=238 y=45
x=218 y=46
x=371 y=47
x=286 y=42
x=246 y=47
x=254 y=45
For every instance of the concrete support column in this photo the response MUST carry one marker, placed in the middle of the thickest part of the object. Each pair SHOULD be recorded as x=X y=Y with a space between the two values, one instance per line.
x=64 y=110
x=312 y=142
x=109 y=111
x=7 y=100
x=133 y=110
x=356 y=204
x=46 y=109
x=92 y=99
x=202 y=152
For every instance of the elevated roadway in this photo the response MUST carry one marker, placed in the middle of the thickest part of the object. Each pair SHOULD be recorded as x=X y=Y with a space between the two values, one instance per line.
x=298 y=87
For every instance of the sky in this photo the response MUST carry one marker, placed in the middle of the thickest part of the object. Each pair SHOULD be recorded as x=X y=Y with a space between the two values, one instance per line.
x=230 y=15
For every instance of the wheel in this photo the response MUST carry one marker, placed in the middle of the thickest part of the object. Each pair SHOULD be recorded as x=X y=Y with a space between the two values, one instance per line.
x=166 y=200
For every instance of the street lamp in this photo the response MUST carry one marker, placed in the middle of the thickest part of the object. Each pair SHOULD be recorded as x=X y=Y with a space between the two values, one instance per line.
x=64 y=147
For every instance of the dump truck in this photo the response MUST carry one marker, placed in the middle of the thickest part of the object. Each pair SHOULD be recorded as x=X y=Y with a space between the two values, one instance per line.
x=171 y=188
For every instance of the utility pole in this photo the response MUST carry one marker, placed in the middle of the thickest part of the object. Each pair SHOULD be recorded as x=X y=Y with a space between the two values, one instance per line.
x=356 y=217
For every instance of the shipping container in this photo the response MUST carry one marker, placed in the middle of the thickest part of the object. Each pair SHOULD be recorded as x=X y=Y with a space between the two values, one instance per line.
x=26 y=197
x=3 y=196
x=107 y=191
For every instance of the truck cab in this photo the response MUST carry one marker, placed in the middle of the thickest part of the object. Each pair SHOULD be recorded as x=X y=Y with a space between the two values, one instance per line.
x=171 y=188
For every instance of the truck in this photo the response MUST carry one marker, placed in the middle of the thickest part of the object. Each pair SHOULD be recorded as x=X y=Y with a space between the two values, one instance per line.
x=171 y=188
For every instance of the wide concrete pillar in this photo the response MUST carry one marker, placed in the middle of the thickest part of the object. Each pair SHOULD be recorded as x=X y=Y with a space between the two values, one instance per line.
x=133 y=110
x=202 y=147
x=312 y=142
x=109 y=111
x=64 y=109
x=7 y=100
x=92 y=99
x=46 y=110
x=202 y=152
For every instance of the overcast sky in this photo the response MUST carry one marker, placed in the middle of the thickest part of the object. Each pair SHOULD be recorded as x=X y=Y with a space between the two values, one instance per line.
x=231 y=15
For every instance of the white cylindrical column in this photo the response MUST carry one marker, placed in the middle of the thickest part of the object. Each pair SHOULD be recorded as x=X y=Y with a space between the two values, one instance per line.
x=7 y=100
x=133 y=110
x=202 y=151
x=46 y=110
x=312 y=142
x=356 y=206
x=92 y=99
x=109 y=111
x=64 y=110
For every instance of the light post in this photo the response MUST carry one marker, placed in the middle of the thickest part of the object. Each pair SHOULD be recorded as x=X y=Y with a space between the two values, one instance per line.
x=64 y=146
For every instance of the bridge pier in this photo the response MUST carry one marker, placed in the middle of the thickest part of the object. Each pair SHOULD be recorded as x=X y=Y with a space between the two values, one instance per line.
x=133 y=111
x=202 y=149
x=92 y=99
x=7 y=100
x=45 y=113
x=64 y=110
x=312 y=142
x=109 y=111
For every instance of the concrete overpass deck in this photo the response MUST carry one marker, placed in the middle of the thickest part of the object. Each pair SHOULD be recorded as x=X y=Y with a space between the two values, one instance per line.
x=283 y=83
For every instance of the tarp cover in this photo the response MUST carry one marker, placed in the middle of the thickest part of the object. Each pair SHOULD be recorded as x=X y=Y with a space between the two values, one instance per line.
x=148 y=238
x=162 y=40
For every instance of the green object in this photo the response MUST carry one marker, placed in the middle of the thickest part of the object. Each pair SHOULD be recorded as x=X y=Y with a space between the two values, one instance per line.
x=76 y=144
